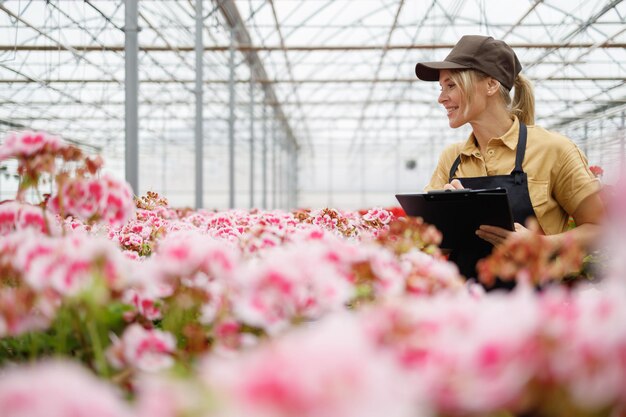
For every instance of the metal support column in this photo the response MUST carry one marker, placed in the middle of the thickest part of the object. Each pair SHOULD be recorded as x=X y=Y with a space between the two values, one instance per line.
x=292 y=177
x=164 y=169
x=280 y=170
x=251 y=139
x=274 y=145
x=231 y=123
x=362 y=166
x=397 y=162
x=285 y=177
x=131 y=85
x=287 y=170
x=199 y=149
x=264 y=160
x=295 y=179
x=330 y=171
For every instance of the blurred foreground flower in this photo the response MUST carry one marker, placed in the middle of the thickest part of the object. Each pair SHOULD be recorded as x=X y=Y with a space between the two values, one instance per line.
x=146 y=350
x=57 y=389
x=529 y=256
x=325 y=369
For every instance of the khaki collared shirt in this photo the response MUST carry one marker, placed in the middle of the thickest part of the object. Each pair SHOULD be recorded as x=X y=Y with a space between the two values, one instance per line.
x=559 y=178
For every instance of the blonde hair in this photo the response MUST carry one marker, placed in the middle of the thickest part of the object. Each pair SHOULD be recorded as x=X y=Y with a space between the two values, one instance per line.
x=523 y=100
x=522 y=105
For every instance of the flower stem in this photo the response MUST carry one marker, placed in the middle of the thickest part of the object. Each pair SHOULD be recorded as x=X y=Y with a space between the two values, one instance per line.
x=101 y=364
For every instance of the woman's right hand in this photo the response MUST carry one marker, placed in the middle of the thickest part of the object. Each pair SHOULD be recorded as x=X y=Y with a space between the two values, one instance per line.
x=454 y=185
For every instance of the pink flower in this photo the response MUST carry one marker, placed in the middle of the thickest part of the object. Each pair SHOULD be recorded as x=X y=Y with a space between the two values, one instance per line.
x=23 y=311
x=146 y=306
x=143 y=349
x=426 y=274
x=183 y=255
x=28 y=143
x=473 y=356
x=21 y=216
x=57 y=389
x=97 y=199
x=328 y=369
x=159 y=396
x=378 y=215
x=389 y=278
x=68 y=265
x=290 y=283
x=22 y=308
x=587 y=330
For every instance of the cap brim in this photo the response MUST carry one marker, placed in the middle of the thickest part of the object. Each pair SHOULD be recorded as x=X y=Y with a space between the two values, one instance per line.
x=429 y=71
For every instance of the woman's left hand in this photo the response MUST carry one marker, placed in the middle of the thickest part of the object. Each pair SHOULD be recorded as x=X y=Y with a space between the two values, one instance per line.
x=497 y=235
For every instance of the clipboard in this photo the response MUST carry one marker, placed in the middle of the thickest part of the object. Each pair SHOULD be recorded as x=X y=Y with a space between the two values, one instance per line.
x=459 y=213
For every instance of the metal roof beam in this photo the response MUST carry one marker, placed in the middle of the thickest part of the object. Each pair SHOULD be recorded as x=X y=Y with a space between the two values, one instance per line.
x=283 y=81
x=246 y=47
x=229 y=10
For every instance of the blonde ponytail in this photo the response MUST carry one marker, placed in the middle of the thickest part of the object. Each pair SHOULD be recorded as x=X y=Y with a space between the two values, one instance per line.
x=523 y=105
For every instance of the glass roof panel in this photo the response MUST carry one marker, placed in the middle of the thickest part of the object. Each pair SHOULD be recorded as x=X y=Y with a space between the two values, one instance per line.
x=340 y=71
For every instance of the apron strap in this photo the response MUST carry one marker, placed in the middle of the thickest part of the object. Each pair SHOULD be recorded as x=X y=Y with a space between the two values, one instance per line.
x=455 y=166
x=519 y=157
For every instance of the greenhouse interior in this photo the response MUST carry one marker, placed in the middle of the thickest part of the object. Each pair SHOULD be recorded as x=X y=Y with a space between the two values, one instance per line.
x=314 y=208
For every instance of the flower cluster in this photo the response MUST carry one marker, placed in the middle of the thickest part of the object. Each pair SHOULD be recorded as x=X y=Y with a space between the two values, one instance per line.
x=27 y=144
x=57 y=389
x=104 y=199
x=530 y=257
x=552 y=354
x=329 y=369
x=148 y=350
x=36 y=153
x=16 y=216
x=80 y=192
x=39 y=271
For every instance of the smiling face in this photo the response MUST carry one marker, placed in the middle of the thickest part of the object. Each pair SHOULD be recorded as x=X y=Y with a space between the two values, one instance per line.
x=462 y=106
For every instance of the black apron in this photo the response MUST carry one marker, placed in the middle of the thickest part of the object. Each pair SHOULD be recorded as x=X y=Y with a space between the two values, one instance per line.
x=516 y=184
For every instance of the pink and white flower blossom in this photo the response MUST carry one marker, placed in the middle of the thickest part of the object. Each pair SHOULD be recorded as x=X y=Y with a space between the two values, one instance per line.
x=325 y=369
x=587 y=334
x=16 y=216
x=57 y=389
x=389 y=275
x=147 y=350
x=378 y=214
x=426 y=274
x=22 y=309
x=161 y=396
x=183 y=255
x=145 y=305
x=28 y=143
x=67 y=265
x=293 y=283
x=474 y=356
x=95 y=199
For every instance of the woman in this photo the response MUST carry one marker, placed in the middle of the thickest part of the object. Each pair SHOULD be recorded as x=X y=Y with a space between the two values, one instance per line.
x=545 y=174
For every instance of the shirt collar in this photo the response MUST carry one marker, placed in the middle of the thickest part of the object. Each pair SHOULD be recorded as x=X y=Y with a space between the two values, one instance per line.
x=509 y=139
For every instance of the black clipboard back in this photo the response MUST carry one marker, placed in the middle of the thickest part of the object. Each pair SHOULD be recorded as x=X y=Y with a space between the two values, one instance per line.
x=459 y=213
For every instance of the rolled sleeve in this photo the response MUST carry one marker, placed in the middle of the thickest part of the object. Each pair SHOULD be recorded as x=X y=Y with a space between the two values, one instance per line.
x=574 y=182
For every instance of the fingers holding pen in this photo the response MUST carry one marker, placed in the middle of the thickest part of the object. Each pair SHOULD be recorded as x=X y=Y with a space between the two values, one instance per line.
x=454 y=185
